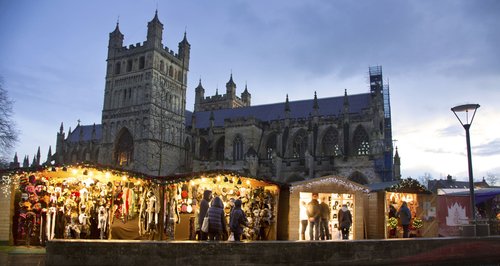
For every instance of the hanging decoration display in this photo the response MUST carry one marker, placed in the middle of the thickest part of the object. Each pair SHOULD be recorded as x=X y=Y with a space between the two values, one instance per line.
x=259 y=199
x=85 y=201
x=74 y=202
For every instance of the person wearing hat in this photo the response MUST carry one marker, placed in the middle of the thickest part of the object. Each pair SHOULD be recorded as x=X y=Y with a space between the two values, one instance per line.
x=237 y=219
x=345 y=221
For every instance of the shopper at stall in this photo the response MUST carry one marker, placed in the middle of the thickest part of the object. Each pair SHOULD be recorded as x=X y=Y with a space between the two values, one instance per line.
x=392 y=214
x=314 y=215
x=404 y=215
x=204 y=204
x=325 y=217
x=217 y=220
x=303 y=220
x=345 y=220
x=237 y=220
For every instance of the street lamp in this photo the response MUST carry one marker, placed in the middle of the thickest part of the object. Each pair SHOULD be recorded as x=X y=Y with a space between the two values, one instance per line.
x=464 y=111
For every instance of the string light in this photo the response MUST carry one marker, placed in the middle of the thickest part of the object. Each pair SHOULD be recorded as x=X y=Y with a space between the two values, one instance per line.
x=329 y=180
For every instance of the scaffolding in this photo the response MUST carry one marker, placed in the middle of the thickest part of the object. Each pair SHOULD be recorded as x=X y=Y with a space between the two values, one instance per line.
x=377 y=87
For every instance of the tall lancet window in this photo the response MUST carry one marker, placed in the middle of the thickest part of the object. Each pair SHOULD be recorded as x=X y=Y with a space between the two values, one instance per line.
x=238 y=148
x=361 y=141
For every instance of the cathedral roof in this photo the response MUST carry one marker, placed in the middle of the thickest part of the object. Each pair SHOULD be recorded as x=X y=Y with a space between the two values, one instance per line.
x=332 y=106
x=74 y=136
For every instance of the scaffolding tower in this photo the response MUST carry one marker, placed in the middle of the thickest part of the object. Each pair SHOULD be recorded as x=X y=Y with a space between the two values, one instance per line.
x=385 y=167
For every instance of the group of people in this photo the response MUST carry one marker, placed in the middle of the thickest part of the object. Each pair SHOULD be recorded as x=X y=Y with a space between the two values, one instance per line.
x=317 y=216
x=217 y=225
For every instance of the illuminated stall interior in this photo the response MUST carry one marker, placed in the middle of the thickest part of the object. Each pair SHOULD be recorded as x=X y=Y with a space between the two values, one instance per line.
x=79 y=202
x=396 y=199
x=334 y=202
x=259 y=202
x=334 y=191
x=386 y=199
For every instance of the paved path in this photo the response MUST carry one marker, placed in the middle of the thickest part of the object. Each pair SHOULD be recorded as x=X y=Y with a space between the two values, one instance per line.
x=22 y=256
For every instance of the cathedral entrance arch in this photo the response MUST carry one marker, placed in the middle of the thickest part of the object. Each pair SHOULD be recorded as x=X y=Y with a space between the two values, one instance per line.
x=124 y=148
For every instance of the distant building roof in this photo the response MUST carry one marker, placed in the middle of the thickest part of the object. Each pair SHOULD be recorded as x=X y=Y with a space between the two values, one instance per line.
x=74 y=136
x=434 y=185
x=332 y=106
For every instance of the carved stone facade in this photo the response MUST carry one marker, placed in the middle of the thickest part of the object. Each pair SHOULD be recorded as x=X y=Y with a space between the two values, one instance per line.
x=146 y=127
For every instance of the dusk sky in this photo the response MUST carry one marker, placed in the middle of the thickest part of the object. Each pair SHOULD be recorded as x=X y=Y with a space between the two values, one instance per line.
x=435 y=55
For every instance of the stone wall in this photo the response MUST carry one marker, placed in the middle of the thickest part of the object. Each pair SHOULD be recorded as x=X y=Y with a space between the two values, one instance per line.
x=423 y=251
x=5 y=211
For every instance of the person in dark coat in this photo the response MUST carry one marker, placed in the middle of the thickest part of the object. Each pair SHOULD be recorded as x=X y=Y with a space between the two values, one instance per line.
x=404 y=215
x=237 y=219
x=204 y=205
x=325 y=218
x=216 y=220
x=314 y=214
x=345 y=220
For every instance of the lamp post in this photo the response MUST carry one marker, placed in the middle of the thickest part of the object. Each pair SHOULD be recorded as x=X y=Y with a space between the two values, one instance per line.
x=464 y=109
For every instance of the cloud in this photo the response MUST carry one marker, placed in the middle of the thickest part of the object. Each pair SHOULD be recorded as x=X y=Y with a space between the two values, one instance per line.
x=488 y=149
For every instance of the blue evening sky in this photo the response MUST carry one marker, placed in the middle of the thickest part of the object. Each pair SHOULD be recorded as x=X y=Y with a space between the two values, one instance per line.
x=435 y=55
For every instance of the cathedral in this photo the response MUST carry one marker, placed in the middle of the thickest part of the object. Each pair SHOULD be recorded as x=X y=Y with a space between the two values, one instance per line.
x=146 y=128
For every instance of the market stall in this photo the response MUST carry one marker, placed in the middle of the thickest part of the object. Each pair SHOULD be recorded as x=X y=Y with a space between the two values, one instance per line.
x=386 y=199
x=334 y=191
x=455 y=211
x=259 y=197
x=81 y=201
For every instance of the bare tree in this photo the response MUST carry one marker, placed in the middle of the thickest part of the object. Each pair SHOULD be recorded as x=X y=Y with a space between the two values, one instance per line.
x=492 y=179
x=8 y=129
x=424 y=180
x=165 y=136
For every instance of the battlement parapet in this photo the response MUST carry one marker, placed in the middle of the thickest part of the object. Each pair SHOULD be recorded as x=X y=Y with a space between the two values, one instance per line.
x=143 y=47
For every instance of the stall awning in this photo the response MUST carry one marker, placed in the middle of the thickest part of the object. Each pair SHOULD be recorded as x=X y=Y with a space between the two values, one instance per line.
x=328 y=180
x=480 y=195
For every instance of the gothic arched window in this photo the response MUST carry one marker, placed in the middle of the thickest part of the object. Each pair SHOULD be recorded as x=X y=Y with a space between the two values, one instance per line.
x=129 y=65
x=118 y=68
x=270 y=146
x=171 y=71
x=141 y=62
x=361 y=142
x=219 y=150
x=330 y=143
x=124 y=148
x=237 y=148
x=299 y=144
x=204 y=153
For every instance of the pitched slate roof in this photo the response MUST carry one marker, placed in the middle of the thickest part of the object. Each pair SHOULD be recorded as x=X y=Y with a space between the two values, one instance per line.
x=332 y=106
x=74 y=136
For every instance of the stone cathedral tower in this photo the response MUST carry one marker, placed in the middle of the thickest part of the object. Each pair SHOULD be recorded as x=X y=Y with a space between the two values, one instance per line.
x=144 y=103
